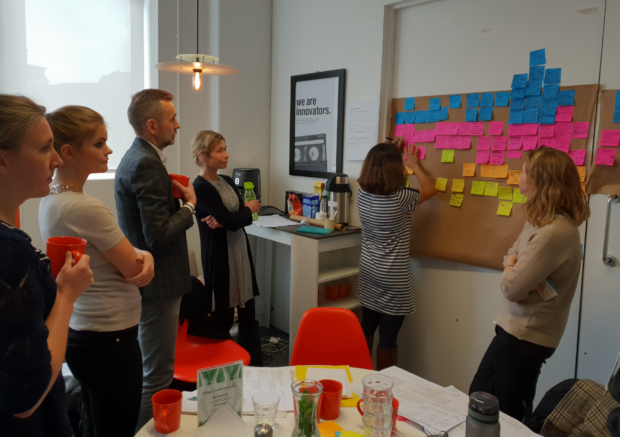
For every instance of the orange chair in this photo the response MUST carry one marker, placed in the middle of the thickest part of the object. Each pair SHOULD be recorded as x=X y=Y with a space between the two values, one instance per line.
x=192 y=353
x=333 y=337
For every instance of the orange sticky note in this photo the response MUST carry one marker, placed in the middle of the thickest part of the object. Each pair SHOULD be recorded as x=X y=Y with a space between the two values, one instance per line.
x=513 y=177
x=582 y=173
x=329 y=428
x=469 y=170
x=500 y=171
x=487 y=170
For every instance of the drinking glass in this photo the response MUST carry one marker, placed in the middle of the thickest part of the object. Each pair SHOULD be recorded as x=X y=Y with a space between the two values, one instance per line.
x=377 y=394
x=266 y=407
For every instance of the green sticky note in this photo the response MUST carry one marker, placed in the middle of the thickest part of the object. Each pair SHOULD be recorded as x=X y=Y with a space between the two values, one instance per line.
x=504 y=193
x=477 y=187
x=447 y=155
x=504 y=208
x=441 y=183
x=517 y=197
x=490 y=189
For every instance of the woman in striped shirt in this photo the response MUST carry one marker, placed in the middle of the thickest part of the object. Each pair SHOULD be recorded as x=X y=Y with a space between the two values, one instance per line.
x=385 y=284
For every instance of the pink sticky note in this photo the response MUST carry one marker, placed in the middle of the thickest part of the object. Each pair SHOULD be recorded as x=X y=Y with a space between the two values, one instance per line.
x=484 y=143
x=563 y=129
x=497 y=157
x=530 y=129
x=454 y=143
x=399 y=130
x=482 y=157
x=581 y=129
x=605 y=156
x=495 y=128
x=578 y=156
x=529 y=143
x=514 y=143
x=465 y=128
x=419 y=136
x=409 y=133
x=546 y=131
x=499 y=143
x=610 y=138
x=564 y=113
x=545 y=142
x=442 y=142
x=446 y=128
x=514 y=154
x=421 y=152
x=562 y=144
x=430 y=135
x=477 y=128
x=515 y=130
x=464 y=142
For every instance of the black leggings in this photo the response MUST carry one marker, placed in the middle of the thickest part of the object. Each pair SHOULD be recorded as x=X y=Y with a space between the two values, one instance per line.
x=247 y=315
x=389 y=326
x=108 y=365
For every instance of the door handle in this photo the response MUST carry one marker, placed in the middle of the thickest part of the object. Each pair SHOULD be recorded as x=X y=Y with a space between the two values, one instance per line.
x=609 y=260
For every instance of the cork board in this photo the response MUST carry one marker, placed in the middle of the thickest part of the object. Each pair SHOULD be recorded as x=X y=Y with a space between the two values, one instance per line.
x=605 y=179
x=474 y=233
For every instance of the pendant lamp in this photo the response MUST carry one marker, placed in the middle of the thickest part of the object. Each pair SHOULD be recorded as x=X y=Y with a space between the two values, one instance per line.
x=197 y=64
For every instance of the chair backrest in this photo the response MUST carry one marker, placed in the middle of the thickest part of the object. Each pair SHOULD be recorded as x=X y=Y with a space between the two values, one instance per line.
x=333 y=337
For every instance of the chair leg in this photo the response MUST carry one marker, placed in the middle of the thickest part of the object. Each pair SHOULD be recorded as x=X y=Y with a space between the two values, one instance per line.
x=249 y=339
x=386 y=358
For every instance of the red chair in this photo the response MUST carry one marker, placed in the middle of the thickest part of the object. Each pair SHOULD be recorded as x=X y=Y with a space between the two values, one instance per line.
x=333 y=337
x=192 y=353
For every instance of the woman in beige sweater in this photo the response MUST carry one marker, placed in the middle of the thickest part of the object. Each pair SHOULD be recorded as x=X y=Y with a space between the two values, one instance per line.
x=539 y=280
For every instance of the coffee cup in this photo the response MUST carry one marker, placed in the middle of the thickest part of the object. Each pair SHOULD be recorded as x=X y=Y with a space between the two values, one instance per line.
x=57 y=248
x=330 y=224
x=395 y=405
x=183 y=180
x=167 y=410
x=344 y=289
x=321 y=296
x=332 y=291
x=330 y=399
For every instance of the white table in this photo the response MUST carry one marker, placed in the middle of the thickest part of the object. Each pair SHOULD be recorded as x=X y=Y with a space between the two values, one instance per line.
x=349 y=419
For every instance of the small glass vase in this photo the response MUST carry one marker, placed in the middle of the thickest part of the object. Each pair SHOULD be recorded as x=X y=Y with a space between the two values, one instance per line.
x=307 y=394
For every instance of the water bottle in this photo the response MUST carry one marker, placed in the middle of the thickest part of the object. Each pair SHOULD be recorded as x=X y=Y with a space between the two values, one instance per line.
x=483 y=416
x=249 y=195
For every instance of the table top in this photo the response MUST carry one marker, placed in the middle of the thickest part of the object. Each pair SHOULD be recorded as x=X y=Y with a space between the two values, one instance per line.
x=349 y=419
x=292 y=229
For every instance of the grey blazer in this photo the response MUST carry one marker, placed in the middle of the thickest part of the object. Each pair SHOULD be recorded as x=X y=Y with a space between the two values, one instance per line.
x=153 y=220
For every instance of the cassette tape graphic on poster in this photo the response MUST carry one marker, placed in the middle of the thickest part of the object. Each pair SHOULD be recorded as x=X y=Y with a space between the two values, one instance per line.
x=217 y=386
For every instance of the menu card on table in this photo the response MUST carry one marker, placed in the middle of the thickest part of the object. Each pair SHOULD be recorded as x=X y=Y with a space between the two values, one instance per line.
x=217 y=386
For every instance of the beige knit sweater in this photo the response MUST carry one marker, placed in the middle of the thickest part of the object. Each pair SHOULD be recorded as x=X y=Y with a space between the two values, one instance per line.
x=551 y=253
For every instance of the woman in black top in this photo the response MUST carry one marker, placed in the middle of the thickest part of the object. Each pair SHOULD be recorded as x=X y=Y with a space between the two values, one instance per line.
x=34 y=309
x=226 y=257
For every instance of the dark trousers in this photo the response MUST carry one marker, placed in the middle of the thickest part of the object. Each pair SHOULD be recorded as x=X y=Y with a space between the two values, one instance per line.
x=247 y=315
x=109 y=368
x=509 y=370
x=389 y=327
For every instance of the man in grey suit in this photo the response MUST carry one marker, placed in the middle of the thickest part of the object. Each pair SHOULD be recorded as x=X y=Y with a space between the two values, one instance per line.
x=153 y=220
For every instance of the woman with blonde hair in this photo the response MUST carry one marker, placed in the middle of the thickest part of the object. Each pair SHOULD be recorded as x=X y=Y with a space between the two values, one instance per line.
x=226 y=257
x=540 y=276
x=103 y=352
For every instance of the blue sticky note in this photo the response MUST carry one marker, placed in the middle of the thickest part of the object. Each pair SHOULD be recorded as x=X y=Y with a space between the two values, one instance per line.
x=400 y=118
x=435 y=104
x=473 y=100
x=537 y=57
x=485 y=114
x=431 y=116
x=616 y=115
x=530 y=116
x=486 y=99
x=537 y=74
x=455 y=101
x=442 y=114
x=519 y=80
x=410 y=117
x=553 y=76
x=617 y=104
x=546 y=119
x=516 y=117
x=550 y=92
x=549 y=107
x=420 y=117
x=517 y=93
x=533 y=89
x=471 y=114
x=533 y=102
x=501 y=98
x=566 y=98
x=517 y=104
x=409 y=103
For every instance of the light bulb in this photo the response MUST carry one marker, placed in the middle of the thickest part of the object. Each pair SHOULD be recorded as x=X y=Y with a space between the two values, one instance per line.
x=197 y=79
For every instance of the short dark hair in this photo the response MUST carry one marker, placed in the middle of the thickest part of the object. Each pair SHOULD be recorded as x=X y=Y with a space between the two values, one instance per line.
x=146 y=105
x=383 y=171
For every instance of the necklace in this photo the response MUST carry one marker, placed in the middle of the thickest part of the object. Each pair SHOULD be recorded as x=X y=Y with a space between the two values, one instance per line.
x=57 y=189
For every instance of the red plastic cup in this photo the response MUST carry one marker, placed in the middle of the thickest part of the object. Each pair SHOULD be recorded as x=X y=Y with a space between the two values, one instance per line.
x=57 y=248
x=395 y=405
x=167 y=410
x=183 y=180
x=332 y=291
x=330 y=399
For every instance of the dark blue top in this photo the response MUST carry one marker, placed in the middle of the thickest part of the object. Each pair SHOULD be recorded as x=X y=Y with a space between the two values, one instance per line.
x=27 y=295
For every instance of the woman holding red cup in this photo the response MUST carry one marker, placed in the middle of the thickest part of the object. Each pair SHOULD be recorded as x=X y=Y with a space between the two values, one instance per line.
x=34 y=309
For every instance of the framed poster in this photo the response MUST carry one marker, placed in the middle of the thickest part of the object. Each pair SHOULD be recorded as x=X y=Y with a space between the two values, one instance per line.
x=317 y=124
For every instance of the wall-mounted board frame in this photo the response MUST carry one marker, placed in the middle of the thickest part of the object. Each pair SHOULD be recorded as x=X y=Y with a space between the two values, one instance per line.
x=317 y=123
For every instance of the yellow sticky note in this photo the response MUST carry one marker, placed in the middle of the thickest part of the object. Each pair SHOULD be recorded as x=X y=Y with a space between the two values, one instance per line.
x=458 y=185
x=469 y=170
x=350 y=434
x=504 y=208
x=500 y=171
x=504 y=193
x=477 y=187
x=487 y=170
x=490 y=189
x=302 y=371
x=513 y=177
x=447 y=155
x=582 y=173
x=517 y=197
x=441 y=183
x=329 y=428
x=456 y=200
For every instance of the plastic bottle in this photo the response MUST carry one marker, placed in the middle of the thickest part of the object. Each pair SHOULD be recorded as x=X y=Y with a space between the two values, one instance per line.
x=249 y=196
x=483 y=417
